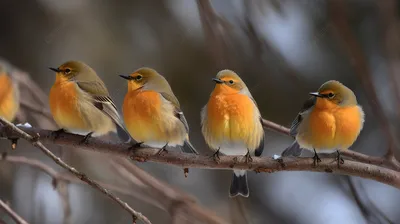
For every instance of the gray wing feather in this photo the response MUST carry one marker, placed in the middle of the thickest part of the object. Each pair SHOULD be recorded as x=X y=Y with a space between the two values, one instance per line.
x=297 y=121
x=104 y=103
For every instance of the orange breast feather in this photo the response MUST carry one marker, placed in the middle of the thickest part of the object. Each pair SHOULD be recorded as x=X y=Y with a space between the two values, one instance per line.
x=8 y=101
x=231 y=117
x=142 y=115
x=336 y=128
x=64 y=105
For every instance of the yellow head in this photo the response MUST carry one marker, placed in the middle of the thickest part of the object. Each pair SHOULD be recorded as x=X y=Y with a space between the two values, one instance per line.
x=147 y=79
x=228 y=82
x=333 y=94
x=75 y=70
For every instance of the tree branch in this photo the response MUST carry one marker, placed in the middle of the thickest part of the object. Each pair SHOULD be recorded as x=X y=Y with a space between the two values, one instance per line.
x=35 y=142
x=367 y=170
x=17 y=219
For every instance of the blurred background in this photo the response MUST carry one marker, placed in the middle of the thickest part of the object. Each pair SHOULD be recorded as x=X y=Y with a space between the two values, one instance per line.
x=282 y=50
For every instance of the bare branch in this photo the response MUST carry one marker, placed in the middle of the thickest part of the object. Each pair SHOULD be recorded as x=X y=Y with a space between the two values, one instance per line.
x=17 y=219
x=35 y=142
x=180 y=205
x=263 y=164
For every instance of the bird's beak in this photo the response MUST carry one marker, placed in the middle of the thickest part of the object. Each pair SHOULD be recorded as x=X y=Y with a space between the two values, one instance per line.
x=127 y=77
x=316 y=94
x=218 y=81
x=55 y=69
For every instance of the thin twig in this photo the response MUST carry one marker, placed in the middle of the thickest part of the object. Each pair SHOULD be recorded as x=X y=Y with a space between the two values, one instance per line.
x=361 y=198
x=177 y=201
x=17 y=219
x=35 y=142
x=69 y=178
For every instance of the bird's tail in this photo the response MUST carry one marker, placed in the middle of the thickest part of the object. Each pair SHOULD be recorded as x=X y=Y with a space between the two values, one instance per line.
x=188 y=147
x=293 y=150
x=123 y=134
x=239 y=184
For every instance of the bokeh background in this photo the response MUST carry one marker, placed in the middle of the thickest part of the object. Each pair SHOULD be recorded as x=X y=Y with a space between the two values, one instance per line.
x=282 y=50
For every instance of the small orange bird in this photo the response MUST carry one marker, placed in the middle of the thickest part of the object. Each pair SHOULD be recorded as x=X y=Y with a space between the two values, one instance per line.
x=331 y=119
x=80 y=102
x=152 y=113
x=231 y=124
x=9 y=96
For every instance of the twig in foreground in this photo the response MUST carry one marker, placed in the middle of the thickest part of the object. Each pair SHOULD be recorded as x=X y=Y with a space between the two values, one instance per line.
x=17 y=219
x=35 y=142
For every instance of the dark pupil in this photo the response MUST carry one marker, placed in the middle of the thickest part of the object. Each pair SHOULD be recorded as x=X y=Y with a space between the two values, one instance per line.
x=139 y=77
x=330 y=94
x=67 y=70
x=231 y=81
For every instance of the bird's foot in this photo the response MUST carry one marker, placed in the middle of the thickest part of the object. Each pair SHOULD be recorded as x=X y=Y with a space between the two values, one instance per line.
x=215 y=156
x=85 y=139
x=339 y=158
x=135 y=146
x=163 y=149
x=57 y=133
x=249 y=159
x=316 y=158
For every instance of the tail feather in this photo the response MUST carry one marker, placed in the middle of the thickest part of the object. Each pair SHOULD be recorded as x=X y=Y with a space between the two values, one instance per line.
x=293 y=150
x=239 y=184
x=188 y=148
x=123 y=134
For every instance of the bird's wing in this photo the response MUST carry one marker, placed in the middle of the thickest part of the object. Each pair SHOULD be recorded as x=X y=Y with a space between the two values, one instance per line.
x=297 y=121
x=178 y=112
x=103 y=102
x=260 y=148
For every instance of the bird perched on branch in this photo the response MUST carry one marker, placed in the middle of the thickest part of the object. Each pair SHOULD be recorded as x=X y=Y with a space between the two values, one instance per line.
x=152 y=113
x=231 y=124
x=80 y=102
x=9 y=96
x=331 y=119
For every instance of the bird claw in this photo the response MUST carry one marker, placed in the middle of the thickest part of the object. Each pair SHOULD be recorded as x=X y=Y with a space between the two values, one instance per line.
x=316 y=158
x=57 y=133
x=85 y=139
x=215 y=156
x=339 y=158
x=163 y=149
x=135 y=146
x=249 y=159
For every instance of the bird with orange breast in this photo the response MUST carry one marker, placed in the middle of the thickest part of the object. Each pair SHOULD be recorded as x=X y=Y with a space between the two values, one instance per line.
x=9 y=96
x=331 y=119
x=152 y=113
x=231 y=124
x=80 y=103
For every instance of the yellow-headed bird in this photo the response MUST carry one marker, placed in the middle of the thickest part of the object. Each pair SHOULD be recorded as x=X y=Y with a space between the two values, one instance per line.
x=152 y=113
x=331 y=119
x=231 y=124
x=9 y=96
x=80 y=102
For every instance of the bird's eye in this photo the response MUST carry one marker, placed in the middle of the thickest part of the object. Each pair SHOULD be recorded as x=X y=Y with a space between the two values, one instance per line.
x=139 y=77
x=331 y=95
x=67 y=71
x=231 y=81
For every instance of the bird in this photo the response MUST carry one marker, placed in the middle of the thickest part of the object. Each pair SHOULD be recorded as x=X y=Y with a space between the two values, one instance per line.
x=9 y=96
x=231 y=125
x=80 y=103
x=330 y=119
x=152 y=112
